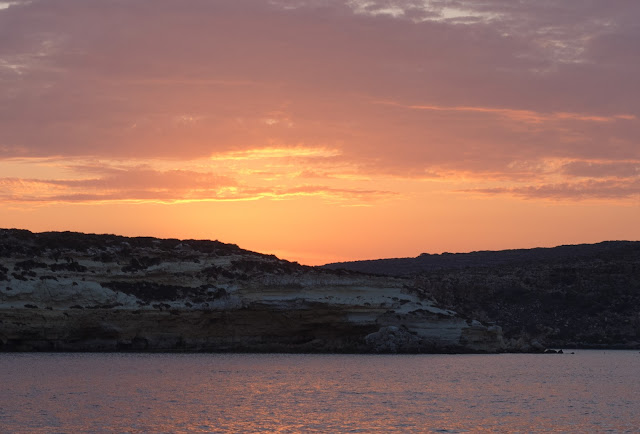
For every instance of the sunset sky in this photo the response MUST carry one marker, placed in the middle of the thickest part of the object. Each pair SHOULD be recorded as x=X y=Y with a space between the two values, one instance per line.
x=322 y=130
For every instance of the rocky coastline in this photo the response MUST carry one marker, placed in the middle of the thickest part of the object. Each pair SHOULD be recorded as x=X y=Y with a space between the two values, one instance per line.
x=65 y=291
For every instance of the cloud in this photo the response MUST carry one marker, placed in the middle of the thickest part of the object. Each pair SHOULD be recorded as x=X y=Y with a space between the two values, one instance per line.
x=136 y=183
x=471 y=88
x=562 y=179
x=518 y=115
x=348 y=194
x=209 y=180
x=597 y=169
x=289 y=153
x=589 y=189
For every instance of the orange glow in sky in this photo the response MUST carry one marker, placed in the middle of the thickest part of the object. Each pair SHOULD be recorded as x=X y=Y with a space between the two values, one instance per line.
x=323 y=131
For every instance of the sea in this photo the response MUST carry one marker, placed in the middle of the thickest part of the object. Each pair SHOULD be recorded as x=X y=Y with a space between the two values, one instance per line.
x=583 y=391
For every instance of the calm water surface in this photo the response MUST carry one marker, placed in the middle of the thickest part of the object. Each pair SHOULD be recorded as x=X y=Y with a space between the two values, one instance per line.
x=584 y=392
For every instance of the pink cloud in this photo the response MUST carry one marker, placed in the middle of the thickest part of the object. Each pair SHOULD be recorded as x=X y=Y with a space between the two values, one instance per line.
x=109 y=183
x=497 y=83
x=598 y=169
x=577 y=190
x=517 y=115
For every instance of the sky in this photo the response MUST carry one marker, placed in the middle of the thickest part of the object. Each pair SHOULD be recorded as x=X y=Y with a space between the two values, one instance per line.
x=322 y=130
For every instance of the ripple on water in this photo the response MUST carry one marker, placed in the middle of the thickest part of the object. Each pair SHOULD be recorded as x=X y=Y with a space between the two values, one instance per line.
x=588 y=391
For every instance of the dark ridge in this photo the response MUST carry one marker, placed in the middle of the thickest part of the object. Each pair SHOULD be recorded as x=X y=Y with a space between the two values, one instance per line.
x=22 y=241
x=451 y=261
x=588 y=301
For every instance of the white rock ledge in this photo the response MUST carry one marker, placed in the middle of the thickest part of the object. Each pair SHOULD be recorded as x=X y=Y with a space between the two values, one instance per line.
x=76 y=292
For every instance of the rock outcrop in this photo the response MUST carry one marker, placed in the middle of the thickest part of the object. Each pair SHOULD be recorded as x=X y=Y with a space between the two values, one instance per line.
x=76 y=292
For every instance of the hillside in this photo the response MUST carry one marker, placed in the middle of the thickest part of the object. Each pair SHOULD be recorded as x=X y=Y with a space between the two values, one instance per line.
x=82 y=292
x=585 y=296
x=448 y=261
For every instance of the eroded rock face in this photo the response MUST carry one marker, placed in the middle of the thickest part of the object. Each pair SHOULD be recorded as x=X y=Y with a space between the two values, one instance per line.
x=69 y=291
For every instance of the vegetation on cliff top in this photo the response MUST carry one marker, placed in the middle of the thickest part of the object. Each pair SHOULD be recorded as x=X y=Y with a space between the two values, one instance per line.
x=569 y=296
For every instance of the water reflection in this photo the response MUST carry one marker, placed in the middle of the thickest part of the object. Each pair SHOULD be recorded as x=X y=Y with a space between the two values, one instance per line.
x=292 y=393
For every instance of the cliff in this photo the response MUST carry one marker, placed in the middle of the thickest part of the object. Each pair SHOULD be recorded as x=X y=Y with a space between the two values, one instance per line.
x=81 y=292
